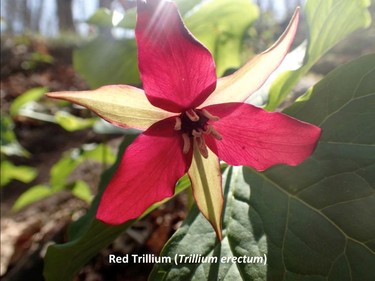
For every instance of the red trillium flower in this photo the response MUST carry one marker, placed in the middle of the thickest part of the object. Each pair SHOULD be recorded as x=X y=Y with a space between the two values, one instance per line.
x=190 y=119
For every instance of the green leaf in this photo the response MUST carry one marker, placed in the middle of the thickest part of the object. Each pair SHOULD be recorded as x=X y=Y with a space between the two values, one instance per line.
x=197 y=237
x=220 y=25
x=185 y=6
x=328 y=22
x=88 y=235
x=14 y=148
x=9 y=144
x=314 y=221
x=60 y=172
x=7 y=130
x=11 y=172
x=73 y=123
x=59 y=175
x=129 y=19
x=32 y=195
x=101 y=18
x=101 y=153
x=31 y=95
x=82 y=191
x=107 y=60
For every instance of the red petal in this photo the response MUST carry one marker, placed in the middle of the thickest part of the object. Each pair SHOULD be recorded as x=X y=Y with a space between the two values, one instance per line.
x=148 y=172
x=260 y=139
x=178 y=73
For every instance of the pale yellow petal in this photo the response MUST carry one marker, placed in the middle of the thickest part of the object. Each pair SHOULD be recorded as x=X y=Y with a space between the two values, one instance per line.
x=238 y=86
x=205 y=177
x=122 y=105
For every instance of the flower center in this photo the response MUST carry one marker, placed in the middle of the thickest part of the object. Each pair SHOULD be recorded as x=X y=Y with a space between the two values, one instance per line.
x=193 y=125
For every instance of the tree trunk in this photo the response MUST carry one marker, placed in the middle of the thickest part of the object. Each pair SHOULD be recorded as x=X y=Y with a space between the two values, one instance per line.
x=10 y=15
x=65 y=15
x=105 y=4
x=36 y=15
x=25 y=13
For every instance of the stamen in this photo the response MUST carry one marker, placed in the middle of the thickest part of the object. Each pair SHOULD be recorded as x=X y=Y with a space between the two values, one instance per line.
x=177 y=126
x=194 y=125
x=207 y=130
x=192 y=115
x=196 y=133
x=186 y=140
x=201 y=144
x=209 y=116
x=214 y=133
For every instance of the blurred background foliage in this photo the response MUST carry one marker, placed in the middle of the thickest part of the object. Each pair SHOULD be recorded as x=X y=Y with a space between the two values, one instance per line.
x=49 y=147
x=92 y=43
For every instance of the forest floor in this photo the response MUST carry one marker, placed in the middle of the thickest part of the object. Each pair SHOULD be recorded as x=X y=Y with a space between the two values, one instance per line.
x=26 y=234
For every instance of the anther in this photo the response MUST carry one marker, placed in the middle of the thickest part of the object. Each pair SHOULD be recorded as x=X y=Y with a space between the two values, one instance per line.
x=177 y=126
x=209 y=116
x=192 y=115
x=214 y=133
x=186 y=146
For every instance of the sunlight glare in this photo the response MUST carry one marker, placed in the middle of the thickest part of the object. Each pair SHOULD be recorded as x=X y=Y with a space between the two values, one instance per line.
x=116 y=18
x=160 y=13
